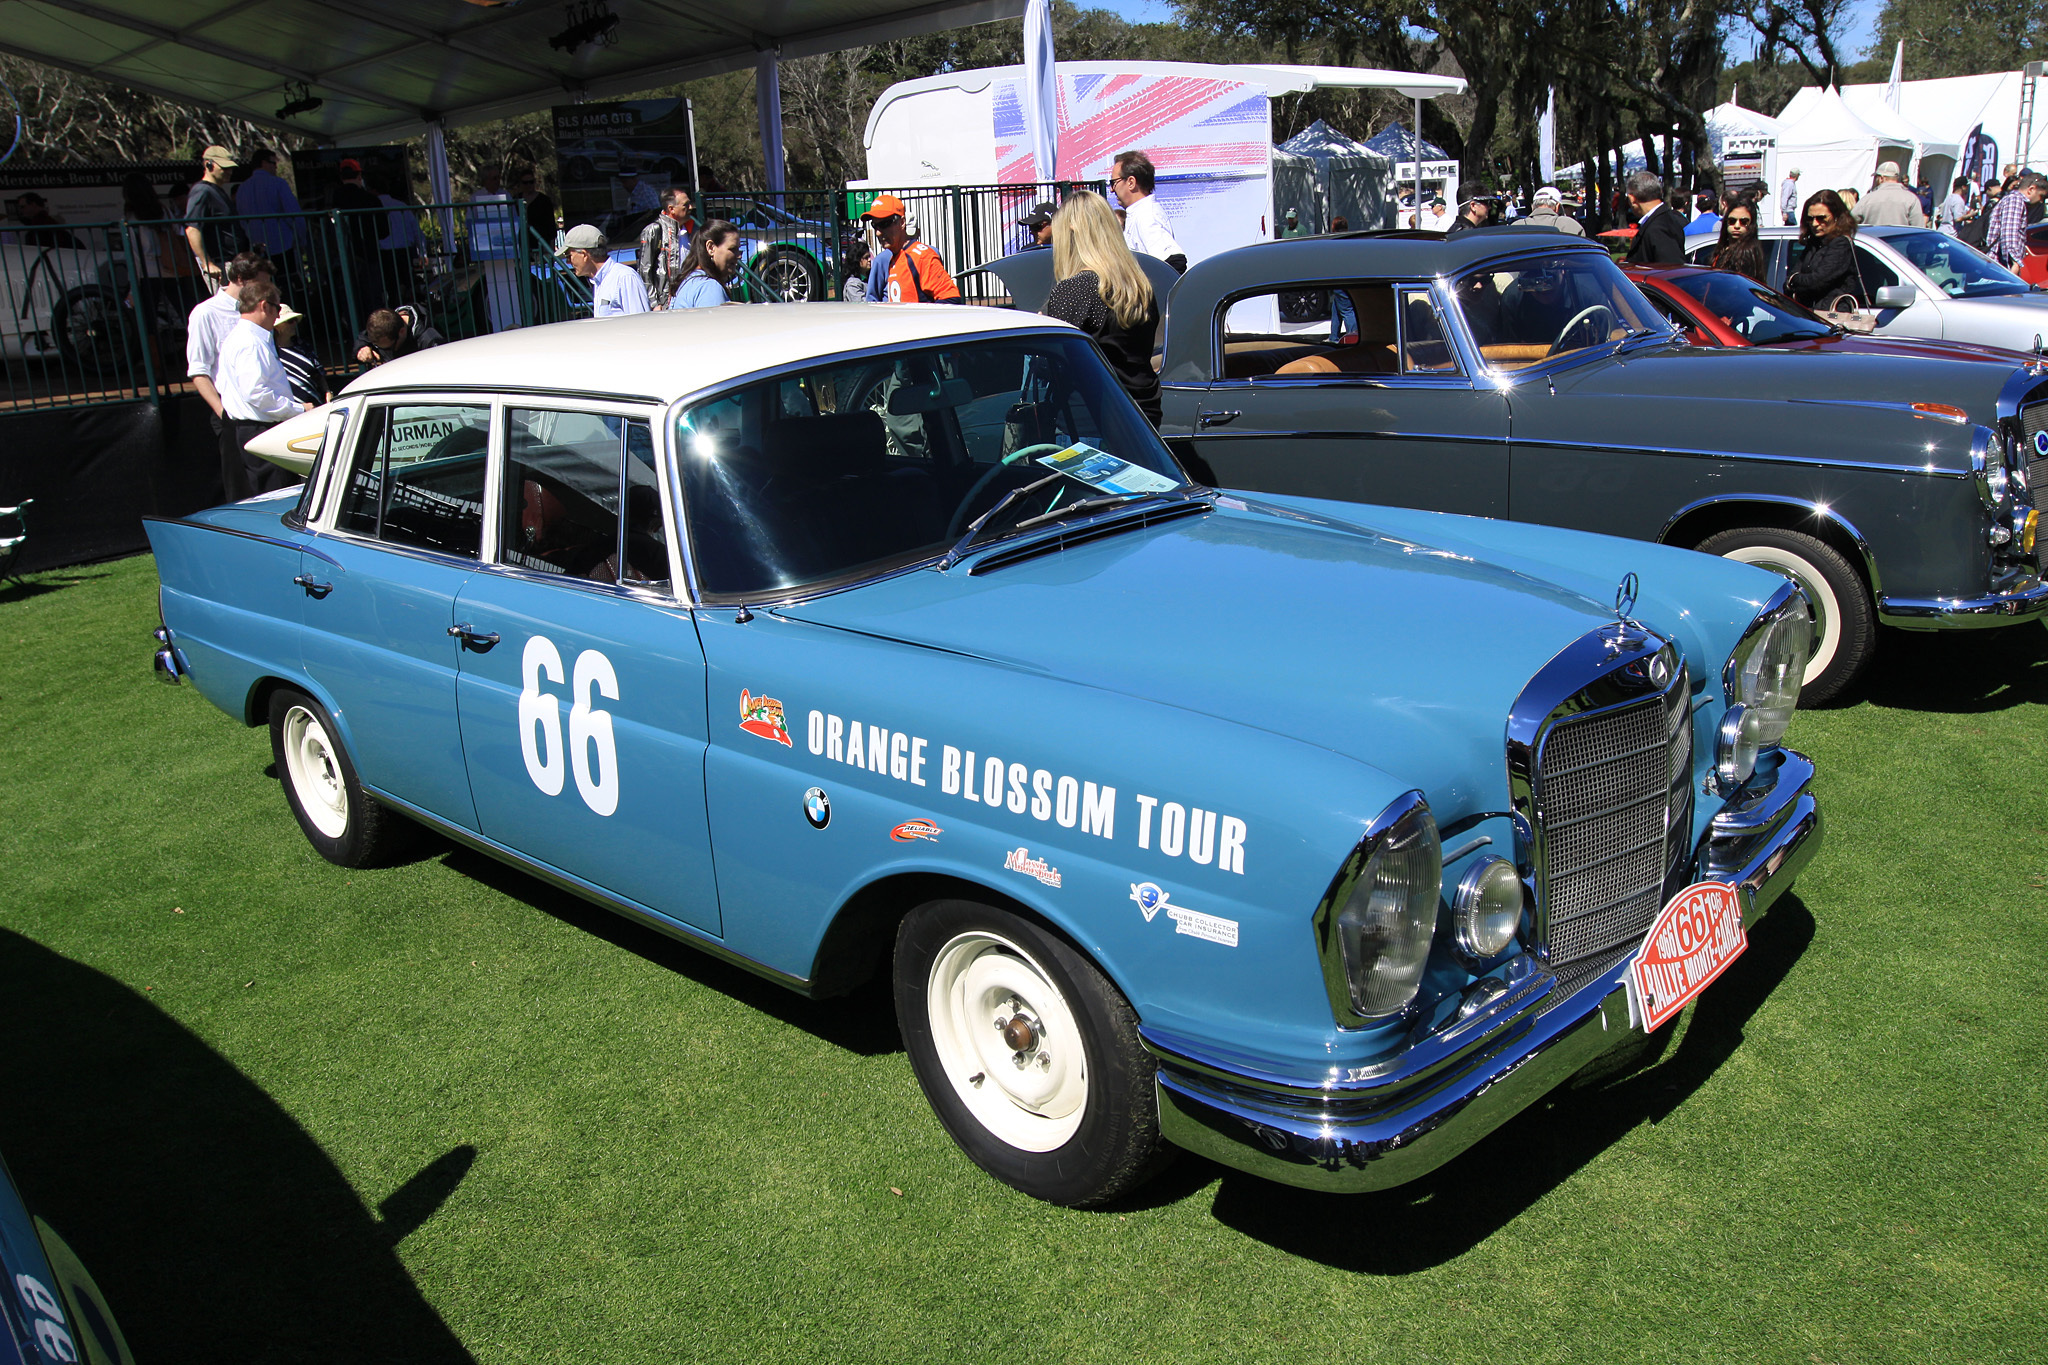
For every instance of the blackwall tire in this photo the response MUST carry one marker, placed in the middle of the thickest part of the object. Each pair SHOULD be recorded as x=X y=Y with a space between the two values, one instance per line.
x=1027 y=1053
x=1844 y=618
x=345 y=825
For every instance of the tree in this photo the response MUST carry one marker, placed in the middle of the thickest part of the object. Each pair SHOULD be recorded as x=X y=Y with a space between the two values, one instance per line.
x=1962 y=37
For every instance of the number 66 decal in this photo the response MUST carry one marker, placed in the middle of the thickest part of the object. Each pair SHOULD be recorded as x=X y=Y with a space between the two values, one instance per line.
x=592 y=752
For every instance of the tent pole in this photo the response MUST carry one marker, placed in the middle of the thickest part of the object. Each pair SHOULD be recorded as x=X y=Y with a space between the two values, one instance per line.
x=1416 y=150
x=690 y=122
x=768 y=102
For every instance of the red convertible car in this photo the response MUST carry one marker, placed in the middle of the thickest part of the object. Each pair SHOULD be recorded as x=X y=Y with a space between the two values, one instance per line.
x=1721 y=308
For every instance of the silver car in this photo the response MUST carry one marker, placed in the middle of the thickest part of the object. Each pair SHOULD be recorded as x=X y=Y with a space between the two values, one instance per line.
x=1924 y=284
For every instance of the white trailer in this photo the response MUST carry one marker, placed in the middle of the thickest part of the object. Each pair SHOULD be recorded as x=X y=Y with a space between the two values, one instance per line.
x=1207 y=129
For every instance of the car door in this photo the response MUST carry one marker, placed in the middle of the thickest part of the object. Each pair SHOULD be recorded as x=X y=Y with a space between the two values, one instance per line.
x=1351 y=391
x=406 y=532
x=1879 y=269
x=581 y=685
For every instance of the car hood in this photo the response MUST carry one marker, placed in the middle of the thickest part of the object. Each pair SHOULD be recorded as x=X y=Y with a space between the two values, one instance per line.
x=1925 y=348
x=1399 y=650
x=1775 y=374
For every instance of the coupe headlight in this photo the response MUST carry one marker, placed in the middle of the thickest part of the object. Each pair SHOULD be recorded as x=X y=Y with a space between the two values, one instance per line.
x=1376 y=925
x=1762 y=681
x=1488 y=909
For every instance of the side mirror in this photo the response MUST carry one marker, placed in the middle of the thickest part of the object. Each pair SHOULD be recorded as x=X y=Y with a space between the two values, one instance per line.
x=1896 y=296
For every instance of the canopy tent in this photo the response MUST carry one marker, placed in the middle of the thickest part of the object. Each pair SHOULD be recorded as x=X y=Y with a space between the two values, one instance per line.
x=386 y=69
x=1396 y=141
x=1338 y=176
x=1950 y=110
x=1834 y=147
x=1726 y=123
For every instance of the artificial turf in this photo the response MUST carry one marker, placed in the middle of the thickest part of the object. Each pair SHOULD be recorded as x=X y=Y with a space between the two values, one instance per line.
x=440 y=1112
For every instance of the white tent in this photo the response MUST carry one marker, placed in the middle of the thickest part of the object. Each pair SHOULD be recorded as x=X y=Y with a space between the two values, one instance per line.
x=1726 y=123
x=1833 y=147
x=1948 y=111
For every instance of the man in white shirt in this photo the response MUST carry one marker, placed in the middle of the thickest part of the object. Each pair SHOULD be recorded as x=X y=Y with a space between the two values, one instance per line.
x=205 y=328
x=255 y=388
x=615 y=288
x=1145 y=227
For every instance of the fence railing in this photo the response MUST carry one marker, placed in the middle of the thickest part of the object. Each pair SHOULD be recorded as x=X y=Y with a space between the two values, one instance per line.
x=96 y=313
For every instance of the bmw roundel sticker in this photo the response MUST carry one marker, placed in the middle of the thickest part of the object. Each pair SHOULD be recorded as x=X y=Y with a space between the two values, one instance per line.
x=817 y=808
x=2041 y=442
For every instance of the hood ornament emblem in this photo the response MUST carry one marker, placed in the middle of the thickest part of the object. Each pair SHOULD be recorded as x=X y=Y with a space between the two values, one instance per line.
x=1625 y=598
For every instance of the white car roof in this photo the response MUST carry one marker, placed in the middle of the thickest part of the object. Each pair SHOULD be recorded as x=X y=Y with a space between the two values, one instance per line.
x=667 y=355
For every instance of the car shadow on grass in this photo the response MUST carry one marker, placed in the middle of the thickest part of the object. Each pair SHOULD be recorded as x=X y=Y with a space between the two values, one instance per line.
x=1459 y=1205
x=217 y=1227
x=21 y=589
x=862 y=1022
x=1956 y=672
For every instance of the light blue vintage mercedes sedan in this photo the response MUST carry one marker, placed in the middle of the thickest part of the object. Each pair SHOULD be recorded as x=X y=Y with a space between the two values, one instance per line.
x=1318 y=839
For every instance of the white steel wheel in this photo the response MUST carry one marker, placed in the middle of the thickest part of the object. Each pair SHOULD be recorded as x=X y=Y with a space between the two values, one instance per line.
x=314 y=770
x=1844 y=626
x=1008 y=1042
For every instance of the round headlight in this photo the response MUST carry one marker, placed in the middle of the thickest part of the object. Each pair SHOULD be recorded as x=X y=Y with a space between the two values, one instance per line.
x=1997 y=482
x=1489 y=908
x=1735 y=748
x=1384 y=929
x=1769 y=666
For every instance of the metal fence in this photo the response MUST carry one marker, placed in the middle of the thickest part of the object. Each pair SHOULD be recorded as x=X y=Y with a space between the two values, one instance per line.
x=96 y=313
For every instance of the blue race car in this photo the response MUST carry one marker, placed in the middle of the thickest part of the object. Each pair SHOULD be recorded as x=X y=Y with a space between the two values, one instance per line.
x=1317 y=838
x=55 y=1313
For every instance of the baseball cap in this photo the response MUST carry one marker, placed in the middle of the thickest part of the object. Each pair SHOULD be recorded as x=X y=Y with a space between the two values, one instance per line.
x=349 y=166
x=885 y=206
x=1549 y=194
x=583 y=237
x=1888 y=170
x=1041 y=214
x=220 y=156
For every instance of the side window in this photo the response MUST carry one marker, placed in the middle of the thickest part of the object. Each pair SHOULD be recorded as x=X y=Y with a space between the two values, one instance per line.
x=416 y=477
x=1704 y=255
x=581 y=498
x=1423 y=347
x=1876 y=274
x=1288 y=333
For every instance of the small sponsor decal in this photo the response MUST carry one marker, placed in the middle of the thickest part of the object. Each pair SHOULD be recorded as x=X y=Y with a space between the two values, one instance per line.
x=763 y=716
x=912 y=830
x=1020 y=860
x=817 y=808
x=1691 y=942
x=1194 y=923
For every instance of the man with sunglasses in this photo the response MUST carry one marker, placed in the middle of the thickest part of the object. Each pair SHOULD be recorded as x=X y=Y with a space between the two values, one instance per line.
x=1131 y=179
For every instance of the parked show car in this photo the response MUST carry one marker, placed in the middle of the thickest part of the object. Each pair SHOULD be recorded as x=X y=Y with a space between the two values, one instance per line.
x=1506 y=373
x=54 y=1313
x=1923 y=283
x=797 y=258
x=834 y=639
x=1721 y=308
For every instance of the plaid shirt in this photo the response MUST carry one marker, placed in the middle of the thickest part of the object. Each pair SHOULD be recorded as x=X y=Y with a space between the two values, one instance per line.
x=2006 y=241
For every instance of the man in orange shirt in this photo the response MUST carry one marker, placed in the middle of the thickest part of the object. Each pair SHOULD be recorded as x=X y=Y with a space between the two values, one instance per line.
x=916 y=274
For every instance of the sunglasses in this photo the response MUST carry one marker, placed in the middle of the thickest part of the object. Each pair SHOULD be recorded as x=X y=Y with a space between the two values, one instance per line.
x=1733 y=221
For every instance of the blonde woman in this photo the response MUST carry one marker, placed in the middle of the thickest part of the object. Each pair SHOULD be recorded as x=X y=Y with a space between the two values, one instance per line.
x=1102 y=291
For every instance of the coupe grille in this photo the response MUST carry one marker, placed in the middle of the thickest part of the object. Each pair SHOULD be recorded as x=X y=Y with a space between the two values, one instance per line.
x=2034 y=420
x=1614 y=799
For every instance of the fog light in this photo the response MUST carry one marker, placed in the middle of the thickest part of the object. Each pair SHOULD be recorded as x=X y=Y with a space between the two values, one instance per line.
x=1735 y=749
x=1488 y=909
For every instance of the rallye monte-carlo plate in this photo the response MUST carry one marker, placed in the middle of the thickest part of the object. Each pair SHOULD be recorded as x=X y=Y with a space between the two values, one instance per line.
x=1693 y=940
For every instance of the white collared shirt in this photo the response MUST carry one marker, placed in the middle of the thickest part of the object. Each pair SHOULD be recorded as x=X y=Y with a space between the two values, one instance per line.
x=1146 y=229
x=616 y=290
x=210 y=321
x=253 y=384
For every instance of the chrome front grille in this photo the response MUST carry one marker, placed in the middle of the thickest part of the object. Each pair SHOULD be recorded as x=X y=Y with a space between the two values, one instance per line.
x=2034 y=421
x=1613 y=797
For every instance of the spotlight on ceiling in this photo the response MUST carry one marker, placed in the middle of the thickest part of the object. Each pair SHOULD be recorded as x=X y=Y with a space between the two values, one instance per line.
x=299 y=100
x=591 y=24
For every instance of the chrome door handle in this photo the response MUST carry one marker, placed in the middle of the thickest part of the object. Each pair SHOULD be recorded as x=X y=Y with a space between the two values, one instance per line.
x=473 y=639
x=313 y=587
x=1217 y=419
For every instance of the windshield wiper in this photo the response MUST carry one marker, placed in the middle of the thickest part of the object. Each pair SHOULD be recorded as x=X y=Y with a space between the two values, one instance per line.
x=960 y=545
x=1084 y=505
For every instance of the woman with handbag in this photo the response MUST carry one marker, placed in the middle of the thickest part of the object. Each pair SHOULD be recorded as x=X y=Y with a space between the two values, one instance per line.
x=1827 y=271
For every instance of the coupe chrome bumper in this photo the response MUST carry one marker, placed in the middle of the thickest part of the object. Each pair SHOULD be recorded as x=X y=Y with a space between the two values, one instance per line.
x=2029 y=603
x=1482 y=1069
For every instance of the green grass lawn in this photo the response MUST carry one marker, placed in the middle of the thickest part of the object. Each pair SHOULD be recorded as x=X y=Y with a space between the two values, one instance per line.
x=439 y=1112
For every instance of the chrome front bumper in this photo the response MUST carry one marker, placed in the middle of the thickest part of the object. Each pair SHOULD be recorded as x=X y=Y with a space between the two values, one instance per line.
x=2029 y=603
x=1394 y=1124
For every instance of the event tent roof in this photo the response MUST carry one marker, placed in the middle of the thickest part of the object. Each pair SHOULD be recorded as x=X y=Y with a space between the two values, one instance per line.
x=1396 y=141
x=388 y=68
x=1833 y=145
x=1320 y=140
x=1950 y=109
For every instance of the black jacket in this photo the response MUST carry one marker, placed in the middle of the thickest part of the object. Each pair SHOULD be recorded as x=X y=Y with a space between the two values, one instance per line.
x=1826 y=271
x=1660 y=239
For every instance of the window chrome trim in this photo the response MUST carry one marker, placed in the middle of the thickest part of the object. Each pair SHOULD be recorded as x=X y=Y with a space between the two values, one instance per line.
x=1216 y=376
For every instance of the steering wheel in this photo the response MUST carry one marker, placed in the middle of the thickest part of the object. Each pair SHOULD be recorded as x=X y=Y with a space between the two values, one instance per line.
x=1588 y=314
x=958 y=525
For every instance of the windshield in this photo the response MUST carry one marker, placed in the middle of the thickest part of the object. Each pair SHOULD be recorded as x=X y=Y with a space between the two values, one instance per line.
x=1529 y=310
x=1955 y=269
x=1758 y=315
x=858 y=466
